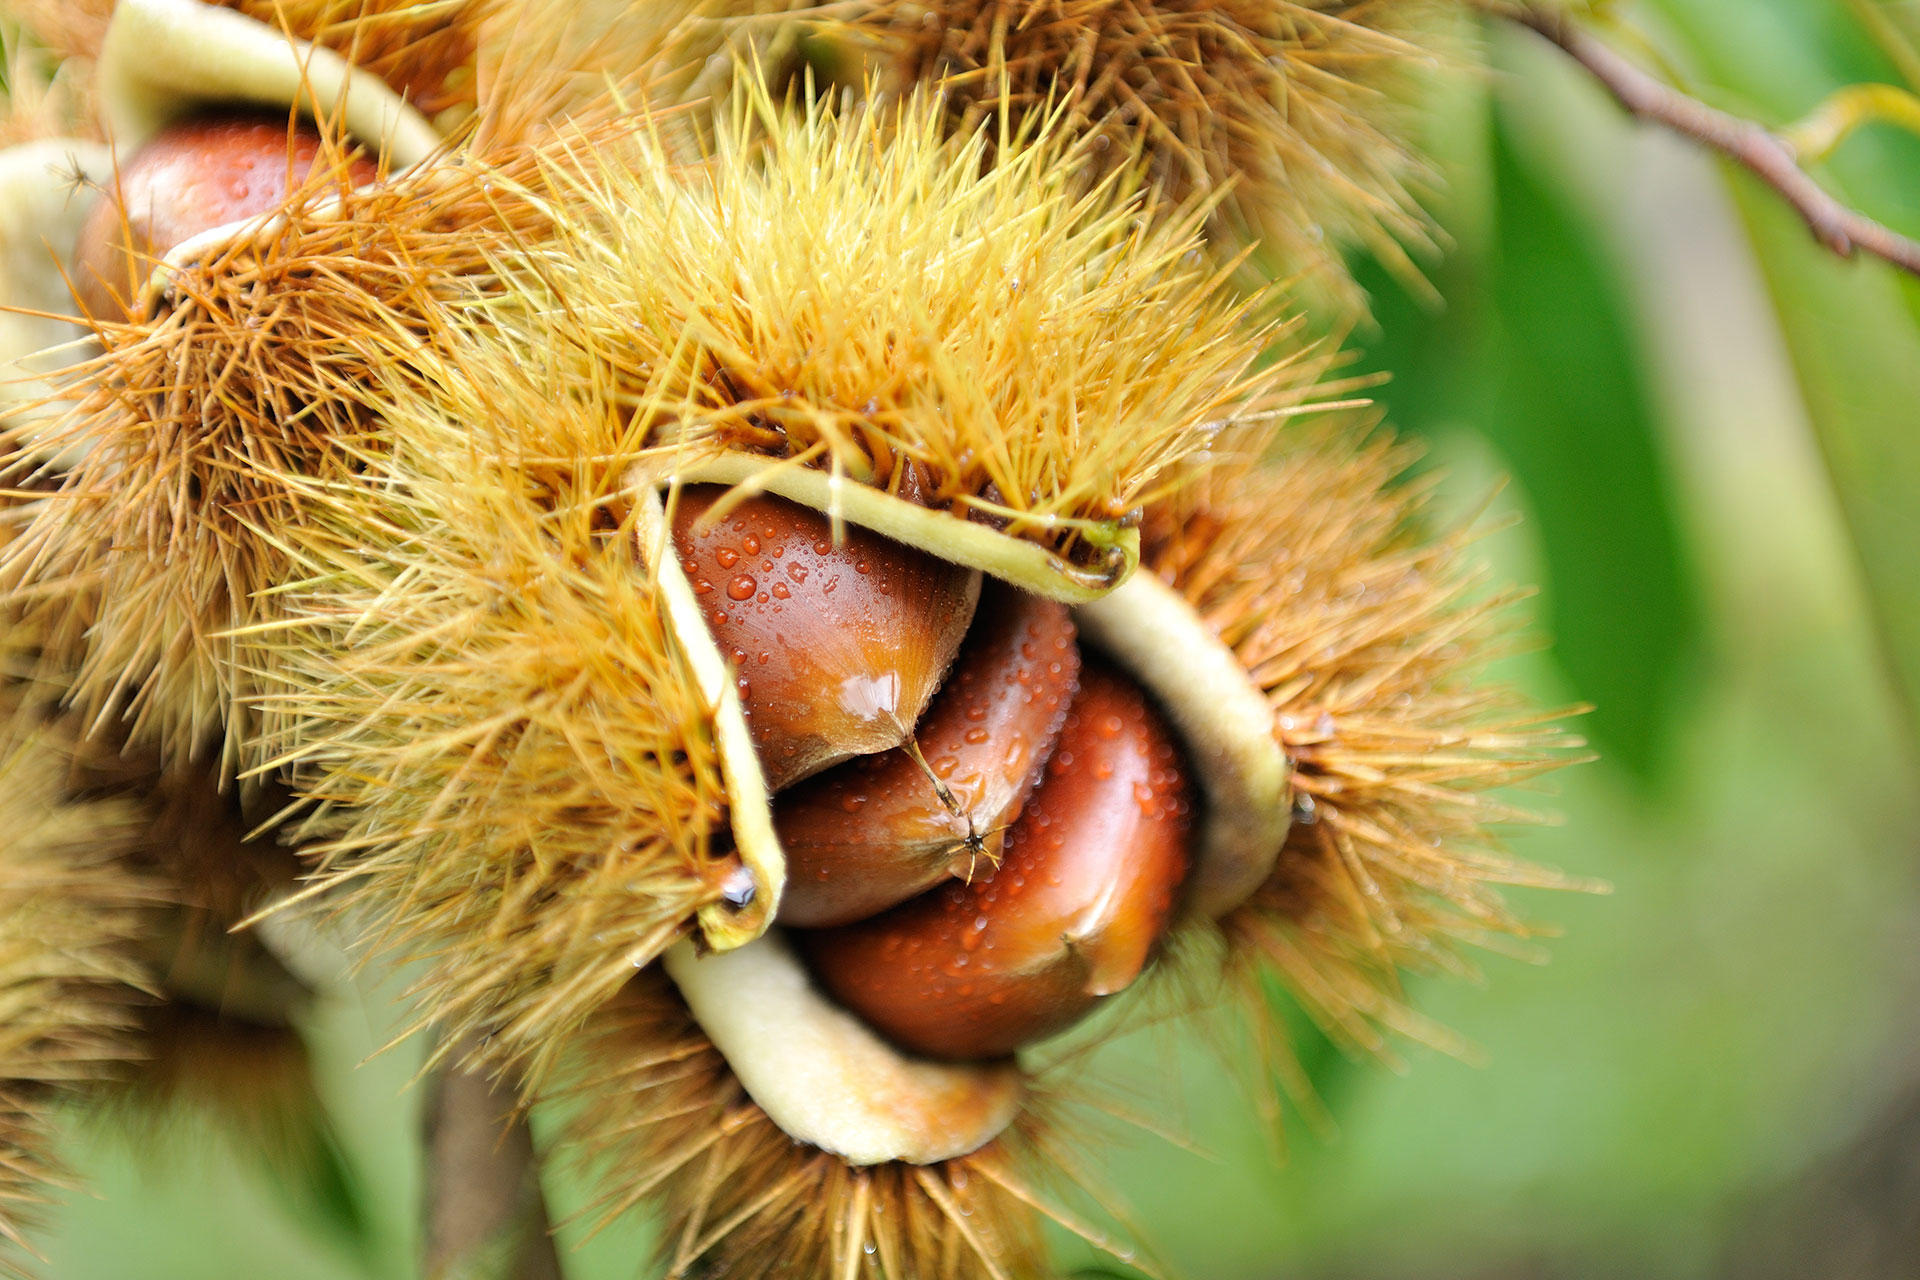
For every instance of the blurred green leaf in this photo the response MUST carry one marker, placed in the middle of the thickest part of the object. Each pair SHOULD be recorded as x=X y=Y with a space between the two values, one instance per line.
x=1852 y=328
x=320 y=1187
x=1534 y=352
x=1852 y=334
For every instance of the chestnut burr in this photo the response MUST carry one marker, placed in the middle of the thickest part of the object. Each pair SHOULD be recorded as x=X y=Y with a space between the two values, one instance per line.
x=193 y=176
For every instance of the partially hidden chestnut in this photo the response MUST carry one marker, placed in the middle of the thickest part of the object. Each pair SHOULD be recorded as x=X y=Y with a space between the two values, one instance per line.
x=1086 y=887
x=837 y=647
x=875 y=831
x=191 y=177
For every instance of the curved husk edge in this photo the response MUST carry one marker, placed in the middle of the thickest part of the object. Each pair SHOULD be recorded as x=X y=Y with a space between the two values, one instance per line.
x=1225 y=727
x=161 y=57
x=1025 y=564
x=1367 y=628
x=46 y=190
x=825 y=1077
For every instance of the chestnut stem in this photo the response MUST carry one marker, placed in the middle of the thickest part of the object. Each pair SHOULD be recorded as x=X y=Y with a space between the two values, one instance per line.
x=975 y=843
x=940 y=789
x=485 y=1217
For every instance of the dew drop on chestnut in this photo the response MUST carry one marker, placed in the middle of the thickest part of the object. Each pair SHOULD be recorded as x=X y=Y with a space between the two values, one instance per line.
x=985 y=736
x=855 y=657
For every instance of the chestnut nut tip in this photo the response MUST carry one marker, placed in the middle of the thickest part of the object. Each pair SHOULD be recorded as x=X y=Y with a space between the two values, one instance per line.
x=874 y=831
x=1083 y=895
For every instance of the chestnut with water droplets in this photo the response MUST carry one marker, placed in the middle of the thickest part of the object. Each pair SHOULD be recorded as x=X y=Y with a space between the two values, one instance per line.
x=874 y=831
x=837 y=647
x=191 y=177
x=1086 y=888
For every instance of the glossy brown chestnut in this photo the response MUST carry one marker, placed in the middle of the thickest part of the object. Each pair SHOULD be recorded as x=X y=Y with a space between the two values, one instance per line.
x=191 y=177
x=1088 y=883
x=837 y=648
x=873 y=832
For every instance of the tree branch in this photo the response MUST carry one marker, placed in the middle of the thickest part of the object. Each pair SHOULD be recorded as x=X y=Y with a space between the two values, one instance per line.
x=1766 y=154
x=485 y=1218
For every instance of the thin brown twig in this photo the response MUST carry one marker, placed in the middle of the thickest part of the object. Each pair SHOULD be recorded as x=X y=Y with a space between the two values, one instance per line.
x=485 y=1216
x=1765 y=153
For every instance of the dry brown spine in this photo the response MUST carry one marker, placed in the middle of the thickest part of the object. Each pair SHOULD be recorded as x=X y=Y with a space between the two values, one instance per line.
x=1367 y=632
x=70 y=911
x=737 y=1195
x=777 y=322
x=1292 y=110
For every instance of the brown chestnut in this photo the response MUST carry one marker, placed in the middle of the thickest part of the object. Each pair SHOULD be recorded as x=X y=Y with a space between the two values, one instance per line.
x=873 y=832
x=1084 y=892
x=837 y=646
x=191 y=177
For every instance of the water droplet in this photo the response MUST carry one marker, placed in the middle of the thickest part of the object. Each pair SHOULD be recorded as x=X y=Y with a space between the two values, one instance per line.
x=741 y=588
x=726 y=557
x=738 y=889
x=780 y=591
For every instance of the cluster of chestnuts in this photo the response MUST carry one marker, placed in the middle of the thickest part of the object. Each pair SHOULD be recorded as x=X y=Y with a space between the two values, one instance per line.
x=985 y=831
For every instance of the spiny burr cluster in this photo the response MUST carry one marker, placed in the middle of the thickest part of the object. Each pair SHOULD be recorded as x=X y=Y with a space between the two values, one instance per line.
x=771 y=610
x=1290 y=116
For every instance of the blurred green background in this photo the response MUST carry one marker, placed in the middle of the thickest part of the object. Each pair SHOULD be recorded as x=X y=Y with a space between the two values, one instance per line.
x=1712 y=430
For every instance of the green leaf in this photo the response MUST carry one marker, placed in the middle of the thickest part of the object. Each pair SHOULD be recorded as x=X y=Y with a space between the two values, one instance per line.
x=1853 y=328
x=1856 y=347
x=1534 y=353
